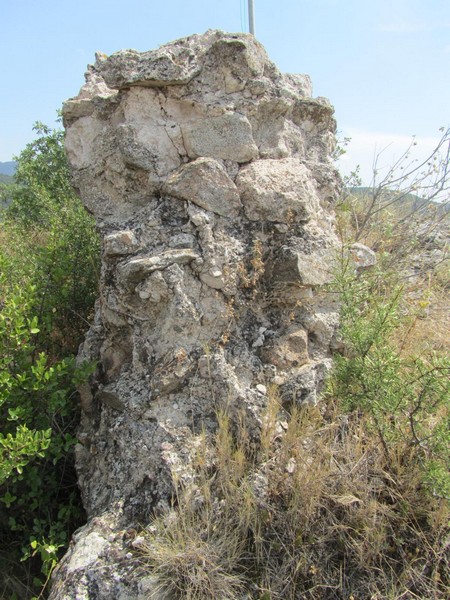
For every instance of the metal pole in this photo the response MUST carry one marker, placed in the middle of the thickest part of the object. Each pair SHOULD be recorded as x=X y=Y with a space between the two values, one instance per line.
x=251 y=17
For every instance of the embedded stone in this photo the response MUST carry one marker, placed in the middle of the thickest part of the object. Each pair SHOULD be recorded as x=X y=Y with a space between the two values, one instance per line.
x=205 y=183
x=227 y=136
x=293 y=267
x=288 y=350
x=362 y=256
x=168 y=65
x=136 y=269
x=120 y=242
x=153 y=288
x=87 y=551
x=111 y=399
x=82 y=144
x=213 y=278
x=278 y=191
x=93 y=93
x=144 y=139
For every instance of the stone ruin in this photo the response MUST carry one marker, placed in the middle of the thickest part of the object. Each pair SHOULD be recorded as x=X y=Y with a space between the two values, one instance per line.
x=209 y=174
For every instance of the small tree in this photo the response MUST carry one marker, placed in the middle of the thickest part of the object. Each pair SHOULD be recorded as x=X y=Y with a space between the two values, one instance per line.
x=49 y=259
x=53 y=242
x=407 y=201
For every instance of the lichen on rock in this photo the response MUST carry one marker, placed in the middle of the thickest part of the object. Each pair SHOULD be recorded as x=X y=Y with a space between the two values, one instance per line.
x=209 y=174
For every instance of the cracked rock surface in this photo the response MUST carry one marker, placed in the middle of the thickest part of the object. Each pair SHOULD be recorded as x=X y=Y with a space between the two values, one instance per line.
x=209 y=174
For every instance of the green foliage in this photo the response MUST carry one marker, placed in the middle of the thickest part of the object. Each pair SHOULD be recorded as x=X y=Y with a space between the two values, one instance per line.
x=6 y=179
x=17 y=449
x=407 y=397
x=42 y=178
x=51 y=241
x=38 y=411
x=17 y=376
x=48 y=278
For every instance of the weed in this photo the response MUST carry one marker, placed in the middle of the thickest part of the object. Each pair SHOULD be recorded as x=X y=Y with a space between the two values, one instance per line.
x=250 y=275
x=315 y=509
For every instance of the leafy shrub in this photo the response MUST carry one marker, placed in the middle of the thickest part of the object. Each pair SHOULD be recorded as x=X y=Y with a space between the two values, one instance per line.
x=48 y=278
x=51 y=241
x=406 y=397
x=38 y=413
x=42 y=181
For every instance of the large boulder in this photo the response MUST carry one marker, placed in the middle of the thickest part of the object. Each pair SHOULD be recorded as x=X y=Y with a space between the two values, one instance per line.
x=209 y=174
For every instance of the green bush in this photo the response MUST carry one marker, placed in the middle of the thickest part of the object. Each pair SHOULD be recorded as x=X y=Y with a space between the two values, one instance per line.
x=51 y=241
x=42 y=180
x=49 y=259
x=406 y=397
x=38 y=416
x=18 y=376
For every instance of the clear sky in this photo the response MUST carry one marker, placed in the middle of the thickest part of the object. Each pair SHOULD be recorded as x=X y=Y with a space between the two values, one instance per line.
x=384 y=64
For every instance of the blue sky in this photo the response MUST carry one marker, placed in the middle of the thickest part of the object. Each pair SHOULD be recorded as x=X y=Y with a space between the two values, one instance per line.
x=384 y=64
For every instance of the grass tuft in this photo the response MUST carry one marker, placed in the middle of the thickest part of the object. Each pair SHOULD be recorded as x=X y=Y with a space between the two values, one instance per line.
x=319 y=511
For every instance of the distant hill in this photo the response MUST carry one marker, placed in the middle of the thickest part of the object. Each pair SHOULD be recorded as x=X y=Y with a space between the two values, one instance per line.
x=8 y=168
x=409 y=203
x=6 y=179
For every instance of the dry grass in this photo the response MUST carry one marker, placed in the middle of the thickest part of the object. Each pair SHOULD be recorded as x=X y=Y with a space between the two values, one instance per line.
x=316 y=511
x=428 y=327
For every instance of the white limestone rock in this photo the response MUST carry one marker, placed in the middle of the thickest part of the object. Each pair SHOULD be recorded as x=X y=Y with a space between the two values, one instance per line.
x=227 y=136
x=205 y=183
x=120 y=243
x=279 y=191
x=168 y=65
x=288 y=350
x=136 y=269
x=362 y=256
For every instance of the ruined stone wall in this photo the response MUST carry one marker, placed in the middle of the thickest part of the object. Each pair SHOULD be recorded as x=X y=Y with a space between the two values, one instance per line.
x=208 y=172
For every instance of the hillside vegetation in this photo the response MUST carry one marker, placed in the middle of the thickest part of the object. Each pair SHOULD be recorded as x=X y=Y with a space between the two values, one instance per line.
x=48 y=279
x=8 y=168
x=6 y=179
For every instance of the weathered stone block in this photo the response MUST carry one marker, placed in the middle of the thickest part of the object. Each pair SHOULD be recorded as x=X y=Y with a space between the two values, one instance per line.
x=205 y=183
x=278 y=191
x=169 y=65
x=227 y=136
x=290 y=350
x=120 y=242
x=294 y=267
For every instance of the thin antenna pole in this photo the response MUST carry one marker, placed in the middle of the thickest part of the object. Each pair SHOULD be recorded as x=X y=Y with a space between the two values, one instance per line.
x=251 y=17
